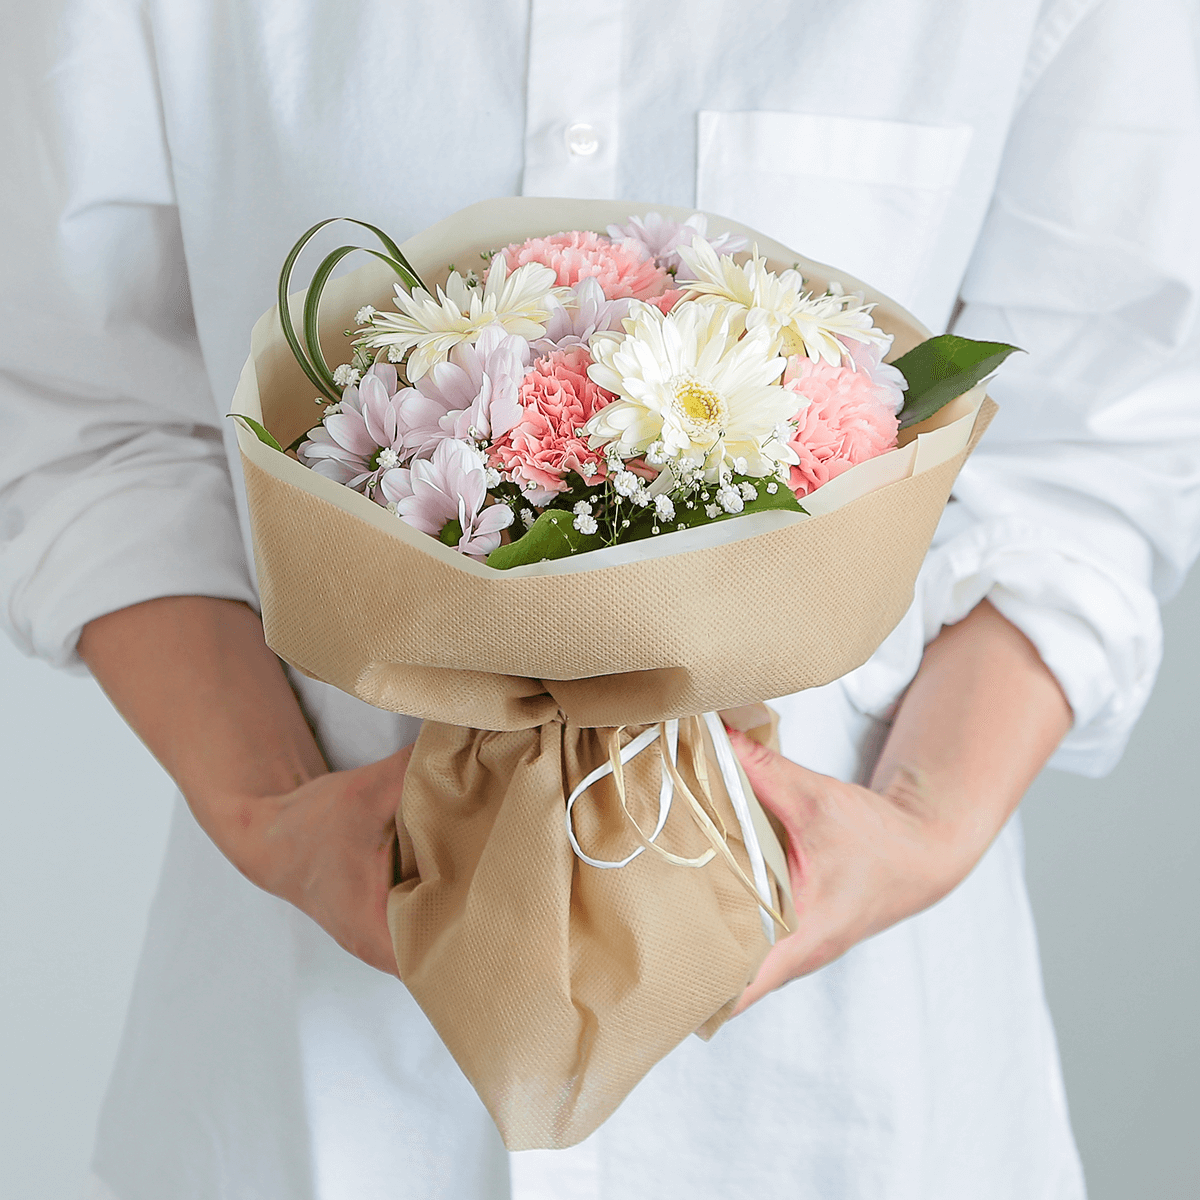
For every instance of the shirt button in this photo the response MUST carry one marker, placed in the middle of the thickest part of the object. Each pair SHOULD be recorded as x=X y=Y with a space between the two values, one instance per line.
x=581 y=139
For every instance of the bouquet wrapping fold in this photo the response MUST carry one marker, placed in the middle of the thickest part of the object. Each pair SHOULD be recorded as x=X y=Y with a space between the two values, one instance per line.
x=557 y=984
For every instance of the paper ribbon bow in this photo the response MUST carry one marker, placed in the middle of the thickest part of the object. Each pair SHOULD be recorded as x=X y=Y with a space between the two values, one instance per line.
x=666 y=734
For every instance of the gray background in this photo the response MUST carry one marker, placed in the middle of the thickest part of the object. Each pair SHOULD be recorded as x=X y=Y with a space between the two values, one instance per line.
x=1112 y=871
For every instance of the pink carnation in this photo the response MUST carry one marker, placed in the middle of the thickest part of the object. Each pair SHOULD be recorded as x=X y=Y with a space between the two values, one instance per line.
x=668 y=300
x=557 y=399
x=623 y=269
x=846 y=422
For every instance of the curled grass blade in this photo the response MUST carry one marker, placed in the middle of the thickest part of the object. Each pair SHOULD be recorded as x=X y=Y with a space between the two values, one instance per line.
x=307 y=352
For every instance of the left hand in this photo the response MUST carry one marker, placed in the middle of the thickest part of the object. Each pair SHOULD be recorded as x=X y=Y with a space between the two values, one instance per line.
x=859 y=860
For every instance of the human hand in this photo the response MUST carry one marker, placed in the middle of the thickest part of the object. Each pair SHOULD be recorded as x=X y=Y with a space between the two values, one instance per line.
x=859 y=860
x=195 y=679
x=328 y=847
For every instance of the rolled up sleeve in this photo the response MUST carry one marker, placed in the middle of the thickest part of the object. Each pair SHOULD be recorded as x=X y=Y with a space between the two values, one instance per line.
x=114 y=482
x=1080 y=510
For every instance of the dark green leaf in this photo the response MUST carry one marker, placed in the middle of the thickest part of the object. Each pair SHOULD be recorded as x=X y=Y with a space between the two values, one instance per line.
x=451 y=533
x=303 y=437
x=259 y=431
x=783 y=498
x=553 y=535
x=943 y=368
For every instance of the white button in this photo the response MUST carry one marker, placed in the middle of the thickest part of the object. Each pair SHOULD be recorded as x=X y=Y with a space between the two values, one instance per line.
x=581 y=139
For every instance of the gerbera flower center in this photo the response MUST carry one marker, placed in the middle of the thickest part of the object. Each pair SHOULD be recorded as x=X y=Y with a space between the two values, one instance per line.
x=702 y=407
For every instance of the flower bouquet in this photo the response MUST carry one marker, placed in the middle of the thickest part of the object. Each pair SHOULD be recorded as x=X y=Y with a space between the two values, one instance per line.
x=617 y=475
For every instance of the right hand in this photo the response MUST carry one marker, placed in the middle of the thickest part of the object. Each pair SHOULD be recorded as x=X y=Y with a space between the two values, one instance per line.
x=328 y=847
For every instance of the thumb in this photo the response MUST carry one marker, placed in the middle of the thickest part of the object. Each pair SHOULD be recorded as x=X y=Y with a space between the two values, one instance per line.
x=777 y=781
x=384 y=780
x=764 y=767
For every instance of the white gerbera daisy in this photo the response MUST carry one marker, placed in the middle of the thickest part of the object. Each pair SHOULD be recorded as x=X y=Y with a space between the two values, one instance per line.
x=821 y=327
x=685 y=382
x=521 y=303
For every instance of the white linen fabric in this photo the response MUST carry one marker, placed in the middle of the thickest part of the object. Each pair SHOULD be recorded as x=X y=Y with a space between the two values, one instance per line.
x=1035 y=161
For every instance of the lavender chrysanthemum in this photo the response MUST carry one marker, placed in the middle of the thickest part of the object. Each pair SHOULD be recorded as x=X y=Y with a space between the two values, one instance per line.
x=586 y=311
x=471 y=396
x=661 y=238
x=889 y=382
x=362 y=437
x=450 y=486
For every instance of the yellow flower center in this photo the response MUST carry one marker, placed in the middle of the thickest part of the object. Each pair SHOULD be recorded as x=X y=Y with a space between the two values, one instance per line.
x=701 y=406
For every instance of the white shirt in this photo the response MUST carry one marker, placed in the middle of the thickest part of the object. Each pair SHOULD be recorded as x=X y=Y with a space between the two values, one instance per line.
x=1036 y=161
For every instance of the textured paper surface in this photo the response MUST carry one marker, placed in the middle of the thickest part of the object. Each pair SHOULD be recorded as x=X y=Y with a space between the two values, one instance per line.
x=556 y=985
x=603 y=971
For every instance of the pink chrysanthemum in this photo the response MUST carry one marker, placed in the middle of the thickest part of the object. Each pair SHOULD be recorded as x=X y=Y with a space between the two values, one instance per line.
x=557 y=399
x=472 y=395
x=623 y=269
x=575 y=317
x=662 y=238
x=848 y=419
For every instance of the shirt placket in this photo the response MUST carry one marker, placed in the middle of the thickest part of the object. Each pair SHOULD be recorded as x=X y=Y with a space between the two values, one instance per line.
x=571 y=99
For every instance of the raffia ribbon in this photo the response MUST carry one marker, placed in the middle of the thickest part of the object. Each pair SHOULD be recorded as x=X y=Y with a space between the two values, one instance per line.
x=666 y=735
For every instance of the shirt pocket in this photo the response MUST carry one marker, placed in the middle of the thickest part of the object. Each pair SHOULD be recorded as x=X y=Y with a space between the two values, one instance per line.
x=868 y=197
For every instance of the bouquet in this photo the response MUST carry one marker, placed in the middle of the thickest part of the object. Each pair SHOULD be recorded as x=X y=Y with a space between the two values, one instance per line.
x=567 y=505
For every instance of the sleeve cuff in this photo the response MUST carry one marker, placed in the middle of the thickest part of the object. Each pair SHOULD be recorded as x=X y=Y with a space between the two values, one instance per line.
x=1098 y=633
x=111 y=541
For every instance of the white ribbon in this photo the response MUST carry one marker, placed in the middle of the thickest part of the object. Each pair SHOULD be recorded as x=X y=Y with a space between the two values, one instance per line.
x=668 y=732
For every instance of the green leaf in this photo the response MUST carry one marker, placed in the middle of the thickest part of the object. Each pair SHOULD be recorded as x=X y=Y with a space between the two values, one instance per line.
x=553 y=535
x=259 y=431
x=304 y=437
x=451 y=533
x=783 y=498
x=943 y=368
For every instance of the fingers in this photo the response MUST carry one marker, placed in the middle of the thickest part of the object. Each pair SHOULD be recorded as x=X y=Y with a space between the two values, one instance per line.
x=391 y=770
x=811 y=947
x=352 y=900
x=373 y=945
x=771 y=975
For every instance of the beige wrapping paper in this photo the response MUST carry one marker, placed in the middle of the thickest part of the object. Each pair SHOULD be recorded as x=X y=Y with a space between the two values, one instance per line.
x=554 y=984
x=603 y=971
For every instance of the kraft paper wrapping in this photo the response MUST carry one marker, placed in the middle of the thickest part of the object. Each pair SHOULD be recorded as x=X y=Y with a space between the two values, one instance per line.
x=555 y=985
x=601 y=972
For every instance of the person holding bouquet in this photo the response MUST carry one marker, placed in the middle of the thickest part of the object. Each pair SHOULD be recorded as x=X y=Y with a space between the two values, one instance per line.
x=1021 y=172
